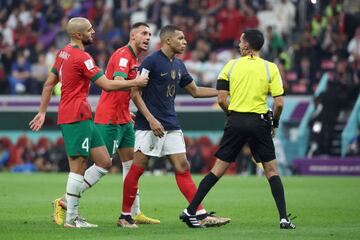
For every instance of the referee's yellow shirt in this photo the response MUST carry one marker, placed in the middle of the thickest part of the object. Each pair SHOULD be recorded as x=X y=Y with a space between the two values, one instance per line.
x=250 y=80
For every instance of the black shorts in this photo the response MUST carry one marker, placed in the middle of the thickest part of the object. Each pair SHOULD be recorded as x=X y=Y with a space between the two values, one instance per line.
x=251 y=128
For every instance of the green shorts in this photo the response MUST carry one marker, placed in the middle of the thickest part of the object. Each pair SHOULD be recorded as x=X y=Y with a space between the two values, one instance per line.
x=80 y=137
x=117 y=136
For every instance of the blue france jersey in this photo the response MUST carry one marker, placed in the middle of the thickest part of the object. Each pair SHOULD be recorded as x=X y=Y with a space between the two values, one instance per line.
x=159 y=95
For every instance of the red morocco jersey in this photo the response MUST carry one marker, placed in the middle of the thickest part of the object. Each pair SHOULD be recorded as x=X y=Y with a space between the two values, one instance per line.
x=113 y=107
x=76 y=70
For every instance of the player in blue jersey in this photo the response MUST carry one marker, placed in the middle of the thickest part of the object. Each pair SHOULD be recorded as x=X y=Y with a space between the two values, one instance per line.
x=158 y=131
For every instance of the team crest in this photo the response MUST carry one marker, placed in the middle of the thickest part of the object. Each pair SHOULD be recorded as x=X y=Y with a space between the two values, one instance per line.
x=151 y=147
x=173 y=74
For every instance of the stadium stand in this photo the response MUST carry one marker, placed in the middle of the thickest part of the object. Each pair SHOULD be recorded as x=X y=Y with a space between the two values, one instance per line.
x=309 y=42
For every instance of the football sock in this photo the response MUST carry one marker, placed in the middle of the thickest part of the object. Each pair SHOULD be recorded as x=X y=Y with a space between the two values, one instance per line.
x=187 y=187
x=277 y=190
x=131 y=187
x=92 y=176
x=73 y=187
x=204 y=187
x=135 y=209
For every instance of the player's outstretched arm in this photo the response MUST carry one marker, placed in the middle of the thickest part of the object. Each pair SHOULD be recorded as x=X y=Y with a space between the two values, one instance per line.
x=48 y=88
x=155 y=125
x=104 y=83
x=200 y=92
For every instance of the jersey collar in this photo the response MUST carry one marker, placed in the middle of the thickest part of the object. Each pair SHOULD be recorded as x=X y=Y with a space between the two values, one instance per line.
x=164 y=55
x=75 y=46
x=132 y=50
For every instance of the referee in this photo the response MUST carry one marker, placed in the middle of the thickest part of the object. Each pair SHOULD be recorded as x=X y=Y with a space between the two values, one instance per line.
x=247 y=81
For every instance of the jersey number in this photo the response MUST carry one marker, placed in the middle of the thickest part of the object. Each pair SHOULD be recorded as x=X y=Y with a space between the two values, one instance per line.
x=85 y=144
x=60 y=74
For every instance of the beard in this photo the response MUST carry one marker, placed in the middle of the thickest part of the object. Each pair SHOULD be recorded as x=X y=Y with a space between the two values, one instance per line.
x=87 y=42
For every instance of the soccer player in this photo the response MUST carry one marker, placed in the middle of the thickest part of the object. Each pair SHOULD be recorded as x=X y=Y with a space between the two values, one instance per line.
x=247 y=81
x=158 y=130
x=76 y=69
x=112 y=116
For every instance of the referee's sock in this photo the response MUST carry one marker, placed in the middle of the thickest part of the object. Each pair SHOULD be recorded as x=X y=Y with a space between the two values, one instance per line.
x=277 y=190
x=204 y=187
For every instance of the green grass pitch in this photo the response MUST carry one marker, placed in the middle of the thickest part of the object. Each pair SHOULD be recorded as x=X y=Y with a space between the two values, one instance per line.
x=327 y=208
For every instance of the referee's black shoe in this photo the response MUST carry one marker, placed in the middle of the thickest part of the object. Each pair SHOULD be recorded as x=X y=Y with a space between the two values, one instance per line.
x=190 y=220
x=286 y=223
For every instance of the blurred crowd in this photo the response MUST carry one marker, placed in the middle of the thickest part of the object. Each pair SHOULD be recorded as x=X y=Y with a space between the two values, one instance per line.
x=304 y=39
x=45 y=155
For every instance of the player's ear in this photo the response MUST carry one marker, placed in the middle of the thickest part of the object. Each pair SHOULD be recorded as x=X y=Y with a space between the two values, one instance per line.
x=246 y=45
x=77 y=35
x=168 y=41
x=132 y=34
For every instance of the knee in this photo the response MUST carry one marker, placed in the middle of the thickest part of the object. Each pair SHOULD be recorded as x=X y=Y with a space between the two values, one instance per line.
x=271 y=172
x=106 y=165
x=182 y=167
x=220 y=168
x=141 y=162
x=217 y=172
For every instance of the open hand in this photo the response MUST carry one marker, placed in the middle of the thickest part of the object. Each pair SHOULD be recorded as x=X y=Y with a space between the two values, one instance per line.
x=37 y=122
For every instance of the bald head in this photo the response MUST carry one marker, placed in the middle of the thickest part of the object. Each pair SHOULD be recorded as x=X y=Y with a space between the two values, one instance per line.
x=80 y=31
x=77 y=25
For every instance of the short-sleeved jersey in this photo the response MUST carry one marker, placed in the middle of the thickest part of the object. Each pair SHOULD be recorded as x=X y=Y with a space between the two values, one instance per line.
x=165 y=76
x=76 y=70
x=250 y=80
x=113 y=107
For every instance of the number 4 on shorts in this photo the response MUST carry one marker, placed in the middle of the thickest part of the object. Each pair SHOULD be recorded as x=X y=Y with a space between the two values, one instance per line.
x=85 y=144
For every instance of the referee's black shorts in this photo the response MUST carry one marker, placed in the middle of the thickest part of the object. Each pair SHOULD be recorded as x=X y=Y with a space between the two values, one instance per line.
x=251 y=128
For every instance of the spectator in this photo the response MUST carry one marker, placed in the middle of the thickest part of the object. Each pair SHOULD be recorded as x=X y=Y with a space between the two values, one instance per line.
x=273 y=45
x=327 y=108
x=231 y=23
x=353 y=47
x=154 y=13
x=194 y=66
x=306 y=76
x=39 y=72
x=285 y=13
x=193 y=154
x=4 y=156
x=3 y=82
x=62 y=38
x=210 y=71
x=20 y=75
x=96 y=12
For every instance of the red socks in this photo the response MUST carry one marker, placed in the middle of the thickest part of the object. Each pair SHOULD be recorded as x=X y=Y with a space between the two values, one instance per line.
x=187 y=186
x=131 y=187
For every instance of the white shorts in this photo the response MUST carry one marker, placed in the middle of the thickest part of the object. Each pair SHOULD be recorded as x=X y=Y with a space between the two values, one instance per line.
x=171 y=143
